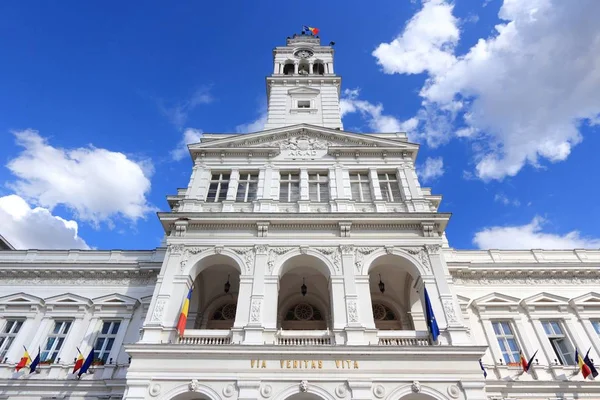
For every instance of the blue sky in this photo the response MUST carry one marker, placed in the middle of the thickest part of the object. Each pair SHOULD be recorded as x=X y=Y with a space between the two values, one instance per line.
x=96 y=97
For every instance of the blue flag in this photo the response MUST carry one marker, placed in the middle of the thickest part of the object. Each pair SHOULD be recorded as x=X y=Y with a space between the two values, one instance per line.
x=35 y=362
x=590 y=364
x=86 y=364
x=483 y=369
x=431 y=322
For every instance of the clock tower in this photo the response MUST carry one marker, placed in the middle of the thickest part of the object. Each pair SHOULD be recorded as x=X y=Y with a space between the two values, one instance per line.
x=303 y=87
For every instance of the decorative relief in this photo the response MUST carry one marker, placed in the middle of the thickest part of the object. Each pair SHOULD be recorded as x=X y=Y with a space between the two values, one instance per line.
x=273 y=254
x=304 y=386
x=261 y=249
x=422 y=255
x=255 y=310
x=218 y=249
x=352 y=310
x=341 y=391
x=303 y=142
x=228 y=390
x=433 y=248
x=453 y=391
x=193 y=385
x=389 y=249
x=449 y=310
x=333 y=253
x=186 y=255
x=97 y=279
x=266 y=391
x=159 y=309
x=479 y=279
x=247 y=254
x=415 y=387
x=379 y=391
x=360 y=254
x=347 y=249
x=154 y=390
x=176 y=248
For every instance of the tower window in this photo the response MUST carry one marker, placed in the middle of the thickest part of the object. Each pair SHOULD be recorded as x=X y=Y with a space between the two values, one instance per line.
x=318 y=68
x=288 y=69
x=303 y=103
x=289 y=187
x=318 y=187
x=217 y=191
x=247 y=187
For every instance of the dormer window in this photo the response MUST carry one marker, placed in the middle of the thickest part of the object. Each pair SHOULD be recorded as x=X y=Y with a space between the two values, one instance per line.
x=303 y=103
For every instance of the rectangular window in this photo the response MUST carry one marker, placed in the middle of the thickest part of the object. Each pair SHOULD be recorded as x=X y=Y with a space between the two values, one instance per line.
x=289 y=187
x=55 y=340
x=506 y=341
x=9 y=333
x=106 y=339
x=390 y=188
x=360 y=187
x=303 y=103
x=559 y=342
x=247 y=187
x=596 y=325
x=318 y=187
x=217 y=191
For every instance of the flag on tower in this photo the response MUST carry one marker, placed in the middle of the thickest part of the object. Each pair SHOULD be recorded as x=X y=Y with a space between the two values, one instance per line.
x=431 y=321
x=184 y=313
x=78 y=362
x=526 y=364
x=590 y=364
x=314 y=31
x=35 y=362
x=25 y=360
x=583 y=367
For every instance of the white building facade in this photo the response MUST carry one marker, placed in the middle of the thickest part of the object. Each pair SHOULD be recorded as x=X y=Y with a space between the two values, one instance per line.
x=308 y=250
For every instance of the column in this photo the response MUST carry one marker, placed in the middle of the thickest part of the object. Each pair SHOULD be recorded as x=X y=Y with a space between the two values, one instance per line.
x=276 y=68
x=261 y=300
x=365 y=302
x=330 y=67
x=242 y=314
x=310 y=67
x=296 y=68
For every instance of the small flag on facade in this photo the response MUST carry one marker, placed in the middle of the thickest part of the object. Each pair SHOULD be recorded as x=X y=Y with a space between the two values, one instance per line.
x=314 y=31
x=590 y=364
x=35 y=362
x=527 y=364
x=25 y=360
x=583 y=367
x=184 y=313
x=86 y=364
x=431 y=321
x=78 y=362
x=483 y=369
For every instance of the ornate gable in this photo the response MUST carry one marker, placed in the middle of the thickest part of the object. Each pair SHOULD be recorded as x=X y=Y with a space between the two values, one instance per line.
x=20 y=301
x=68 y=301
x=496 y=302
x=115 y=302
x=545 y=302
x=589 y=302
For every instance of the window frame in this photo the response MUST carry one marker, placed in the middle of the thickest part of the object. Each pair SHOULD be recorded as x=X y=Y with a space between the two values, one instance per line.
x=322 y=186
x=356 y=179
x=57 y=344
x=8 y=337
x=388 y=192
x=303 y=104
x=103 y=353
x=289 y=179
x=219 y=182
x=250 y=179
x=596 y=325
x=510 y=356
x=555 y=338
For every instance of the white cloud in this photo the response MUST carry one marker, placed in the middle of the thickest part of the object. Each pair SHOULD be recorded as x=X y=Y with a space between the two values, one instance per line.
x=97 y=184
x=432 y=169
x=502 y=198
x=178 y=113
x=258 y=124
x=522 y=93
x=373 y=113
x=530 y=236
x=190 y=135
x=37 y=228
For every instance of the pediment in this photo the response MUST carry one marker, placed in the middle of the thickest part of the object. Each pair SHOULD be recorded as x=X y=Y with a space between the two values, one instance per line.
x=115 y=300
x=589 y=301
x=304 y=91
x=304 y=137
x=68 y=299
x=545 y=299
x=495 y=300
x=19 y=299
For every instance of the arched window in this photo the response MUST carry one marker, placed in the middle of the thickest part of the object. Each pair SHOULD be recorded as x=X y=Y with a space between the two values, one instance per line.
x=304 y=316
x=318 y=68
x=223 y=317
x=385 y=318
x=288 y=68
x=303 y=68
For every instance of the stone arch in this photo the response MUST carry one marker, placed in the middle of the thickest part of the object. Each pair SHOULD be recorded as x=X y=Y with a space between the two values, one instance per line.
x=214 y=304
x=414 y=266
x=183 y=392
x=319 y=67
x=314 y=391
x=199 y=262
x=289 y=301
x=406 y=393
x=325 y=266
x=288 y=67
x=400 y=311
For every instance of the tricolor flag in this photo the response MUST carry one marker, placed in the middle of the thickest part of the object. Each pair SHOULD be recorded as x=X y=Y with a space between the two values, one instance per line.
x=35 y=362
x=314 y=31
x=590 y=364
x=86 y=364
x=483 y=369
x=526 y=364
x=583 y=367
x=78 y=362
x=431 y=322
x=25 y=360
x=184 y=313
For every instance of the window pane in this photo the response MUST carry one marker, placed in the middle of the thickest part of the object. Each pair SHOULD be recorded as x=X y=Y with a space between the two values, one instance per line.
x=547 y=328
x=59 y=343
x=512 y=344
x=50 y=343
x=44 y=356
x=57 y=326
x=109 y=344
x=366 y=191
x=507 y=359
x=555 y=327
x=99 y=343
x=502 y=345
x=67 y=325
x=506 y=328
x=9 y=325
x=115 y=328
x=252 y=189
x=496 y=326
x=105 y=327
x=596 y=325
x=2 y=341
x=18 y=326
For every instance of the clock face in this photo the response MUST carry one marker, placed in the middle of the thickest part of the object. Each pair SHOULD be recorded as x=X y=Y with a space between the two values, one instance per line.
x=303 y=53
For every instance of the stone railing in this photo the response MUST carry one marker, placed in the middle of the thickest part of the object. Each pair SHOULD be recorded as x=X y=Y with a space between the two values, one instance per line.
x=403 y=338
x=206 y=337
x=304 y=338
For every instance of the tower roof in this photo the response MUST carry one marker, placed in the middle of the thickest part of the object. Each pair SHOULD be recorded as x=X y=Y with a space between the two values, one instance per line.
x=303 y=38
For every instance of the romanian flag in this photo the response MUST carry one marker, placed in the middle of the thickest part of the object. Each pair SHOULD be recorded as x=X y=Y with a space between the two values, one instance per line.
x=583 y=367
x=526 y=364
x=25 y=360
x=86 y=364
x=590 y=364
x=78 y=362
x=35 y=362
x=184 y=313
x=314 y=31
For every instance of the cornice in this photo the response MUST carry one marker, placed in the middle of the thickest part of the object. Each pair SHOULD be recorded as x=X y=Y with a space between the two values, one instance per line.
x=41 y=276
